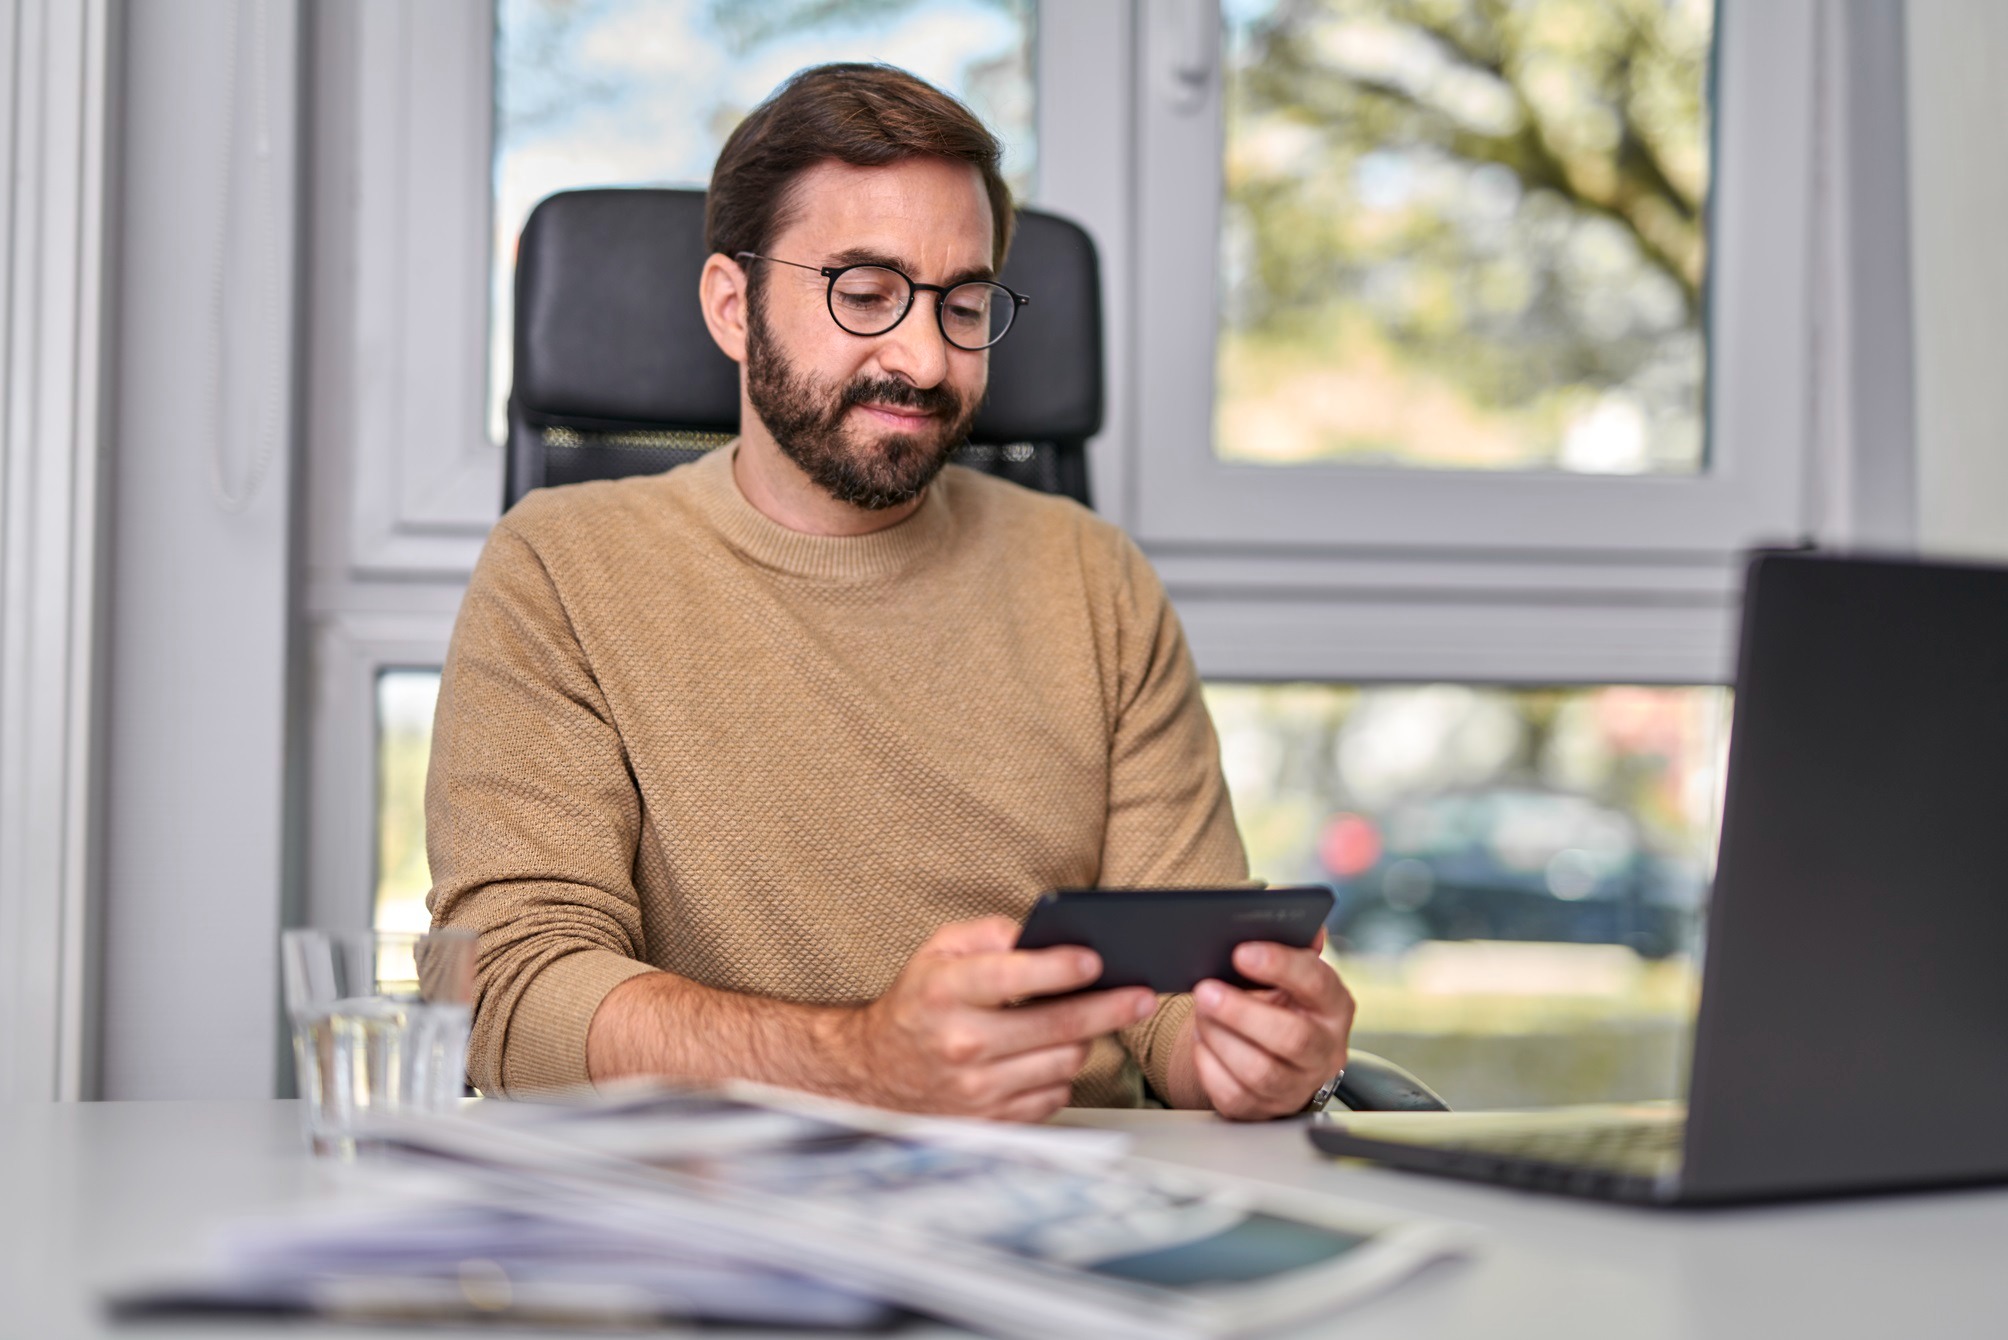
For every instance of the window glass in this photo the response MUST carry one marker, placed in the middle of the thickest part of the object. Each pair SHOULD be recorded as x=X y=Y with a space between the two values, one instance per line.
x=644 y=92
x=1465 y=235
x=1520 y=873
x=404 y=703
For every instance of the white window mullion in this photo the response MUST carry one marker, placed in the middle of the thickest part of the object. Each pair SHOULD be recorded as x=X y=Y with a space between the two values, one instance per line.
x=56 y=57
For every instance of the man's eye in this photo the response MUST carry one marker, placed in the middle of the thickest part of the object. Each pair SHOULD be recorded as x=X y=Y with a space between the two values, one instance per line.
x=865 y=301
x=967 y=314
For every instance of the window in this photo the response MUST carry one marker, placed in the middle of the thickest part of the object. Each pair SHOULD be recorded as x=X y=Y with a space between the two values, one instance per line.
x=1309 y=197
x=644 y=92
x=1521 y=874
x=404 y=703
x=605 y=93
x=1345 y=206
x=1464 y=237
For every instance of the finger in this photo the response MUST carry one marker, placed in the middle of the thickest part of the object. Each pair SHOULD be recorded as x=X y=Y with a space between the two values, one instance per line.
x=1036 y=1105
x=1271 y=1080
x=1307 y=978
x=1287 y=1034
x=1077 y=1019
x=997 y=979
x=1318 y=944
x=1027 y=1072
x=983 y=935
x=1230 y=1098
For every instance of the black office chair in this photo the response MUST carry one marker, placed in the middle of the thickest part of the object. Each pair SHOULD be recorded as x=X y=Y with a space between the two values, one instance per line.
x=616 y=375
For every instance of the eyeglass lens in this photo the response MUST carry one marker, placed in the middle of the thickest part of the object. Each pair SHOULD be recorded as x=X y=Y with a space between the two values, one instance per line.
x=870 y=300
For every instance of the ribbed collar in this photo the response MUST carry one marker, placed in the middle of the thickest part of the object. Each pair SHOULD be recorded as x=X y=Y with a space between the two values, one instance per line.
x=835 y=558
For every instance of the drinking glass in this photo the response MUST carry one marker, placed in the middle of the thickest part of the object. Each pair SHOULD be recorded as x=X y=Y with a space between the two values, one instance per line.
x=380 y=1022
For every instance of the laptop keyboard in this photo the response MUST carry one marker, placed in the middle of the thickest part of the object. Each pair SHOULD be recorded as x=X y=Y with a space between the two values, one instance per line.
x=1640 y=1147
x=1628 y=1157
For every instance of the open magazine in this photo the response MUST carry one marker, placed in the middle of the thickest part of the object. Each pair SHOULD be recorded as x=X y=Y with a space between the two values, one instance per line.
x=760 y=1206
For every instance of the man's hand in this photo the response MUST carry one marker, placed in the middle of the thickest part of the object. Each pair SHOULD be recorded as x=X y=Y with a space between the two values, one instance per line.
x=1264 y=1053
x=948 y=1037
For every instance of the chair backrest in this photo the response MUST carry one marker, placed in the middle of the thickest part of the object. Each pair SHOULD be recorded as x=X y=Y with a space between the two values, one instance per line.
x=616 y=374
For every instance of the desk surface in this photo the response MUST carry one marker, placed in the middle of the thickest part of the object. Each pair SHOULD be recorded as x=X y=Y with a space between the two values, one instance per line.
x=100 y=1192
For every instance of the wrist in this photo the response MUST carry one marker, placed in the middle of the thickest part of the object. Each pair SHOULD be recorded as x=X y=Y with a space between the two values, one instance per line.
x=841 y=1036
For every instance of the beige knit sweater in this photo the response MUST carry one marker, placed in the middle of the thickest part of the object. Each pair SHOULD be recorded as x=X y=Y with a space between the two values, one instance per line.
x=673 y=734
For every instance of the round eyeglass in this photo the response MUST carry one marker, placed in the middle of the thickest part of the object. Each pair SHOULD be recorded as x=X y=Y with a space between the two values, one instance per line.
x=870 y=300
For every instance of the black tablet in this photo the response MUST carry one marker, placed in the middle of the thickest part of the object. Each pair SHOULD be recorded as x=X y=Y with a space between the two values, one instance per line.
x=1171 y=939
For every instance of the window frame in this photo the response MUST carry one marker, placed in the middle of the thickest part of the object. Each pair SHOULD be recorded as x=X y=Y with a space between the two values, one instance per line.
x=350 y=650
x=1751 y=486
x=425 y=481
x=1373 y=573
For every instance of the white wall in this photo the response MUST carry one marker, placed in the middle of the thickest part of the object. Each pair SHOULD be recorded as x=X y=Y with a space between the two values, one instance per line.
x=1957 y=52
x=199 y=592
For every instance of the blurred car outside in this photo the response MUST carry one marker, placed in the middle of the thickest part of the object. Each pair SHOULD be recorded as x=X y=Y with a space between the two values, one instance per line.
x=1519 y=863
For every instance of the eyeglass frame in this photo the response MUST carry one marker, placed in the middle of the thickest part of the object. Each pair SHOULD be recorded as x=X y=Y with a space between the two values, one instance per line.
x=941 y=292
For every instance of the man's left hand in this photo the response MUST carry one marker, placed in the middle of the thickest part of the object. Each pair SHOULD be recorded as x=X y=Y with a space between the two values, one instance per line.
x=1265 y=1052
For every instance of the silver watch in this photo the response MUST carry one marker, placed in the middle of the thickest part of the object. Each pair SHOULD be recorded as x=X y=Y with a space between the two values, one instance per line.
x=1324 y=1094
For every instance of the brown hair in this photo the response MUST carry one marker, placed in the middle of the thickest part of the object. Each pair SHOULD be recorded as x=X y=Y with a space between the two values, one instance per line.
x=864 y=115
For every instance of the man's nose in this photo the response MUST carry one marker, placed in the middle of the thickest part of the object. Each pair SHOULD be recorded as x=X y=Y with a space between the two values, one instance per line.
x=915 y=349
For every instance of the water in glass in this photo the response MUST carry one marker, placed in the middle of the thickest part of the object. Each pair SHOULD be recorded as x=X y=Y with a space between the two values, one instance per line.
x=380 y=1024
x=372 y=1054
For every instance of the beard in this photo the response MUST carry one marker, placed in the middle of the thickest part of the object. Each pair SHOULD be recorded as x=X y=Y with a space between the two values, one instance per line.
x=807 y=420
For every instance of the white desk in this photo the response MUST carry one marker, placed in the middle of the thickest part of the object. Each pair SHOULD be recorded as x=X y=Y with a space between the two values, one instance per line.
x=97 y=1192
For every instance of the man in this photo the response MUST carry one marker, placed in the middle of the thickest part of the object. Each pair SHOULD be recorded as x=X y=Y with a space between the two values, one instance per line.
x=752 y=769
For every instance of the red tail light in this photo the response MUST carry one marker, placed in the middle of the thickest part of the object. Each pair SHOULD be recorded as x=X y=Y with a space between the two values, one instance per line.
x=1349 y=845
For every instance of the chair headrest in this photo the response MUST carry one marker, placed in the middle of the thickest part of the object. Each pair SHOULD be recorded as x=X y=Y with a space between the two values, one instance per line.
x=609 y=335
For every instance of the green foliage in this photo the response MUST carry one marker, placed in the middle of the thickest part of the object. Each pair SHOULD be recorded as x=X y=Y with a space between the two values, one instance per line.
x=402 y=871
x=1504 y=197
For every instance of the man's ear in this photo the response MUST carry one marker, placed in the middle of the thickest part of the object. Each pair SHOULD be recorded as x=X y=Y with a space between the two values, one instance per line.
x=721 y=292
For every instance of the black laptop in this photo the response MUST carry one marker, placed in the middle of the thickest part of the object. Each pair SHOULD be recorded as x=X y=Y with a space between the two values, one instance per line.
x=1853 y=1029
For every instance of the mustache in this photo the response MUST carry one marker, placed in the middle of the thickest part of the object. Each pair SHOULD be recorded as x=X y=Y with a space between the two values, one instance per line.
x=904 y=395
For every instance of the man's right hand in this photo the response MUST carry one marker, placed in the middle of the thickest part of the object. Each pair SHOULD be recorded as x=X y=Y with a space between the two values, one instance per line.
x=948 y=1037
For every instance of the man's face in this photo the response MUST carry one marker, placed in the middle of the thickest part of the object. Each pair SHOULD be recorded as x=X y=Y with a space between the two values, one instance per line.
x=870 y=419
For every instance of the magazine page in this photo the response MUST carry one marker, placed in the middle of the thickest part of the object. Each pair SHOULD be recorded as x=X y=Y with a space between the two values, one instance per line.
x=1006 y=1229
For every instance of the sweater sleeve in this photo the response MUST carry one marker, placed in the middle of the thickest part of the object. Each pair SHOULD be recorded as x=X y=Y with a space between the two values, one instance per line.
x=1170 y=821
x=532 y=821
